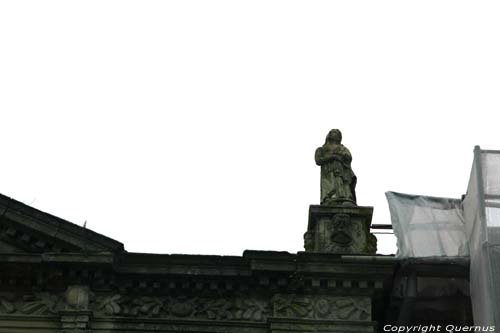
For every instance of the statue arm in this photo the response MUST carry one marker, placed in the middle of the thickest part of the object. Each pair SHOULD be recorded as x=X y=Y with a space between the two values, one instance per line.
x=322 y=156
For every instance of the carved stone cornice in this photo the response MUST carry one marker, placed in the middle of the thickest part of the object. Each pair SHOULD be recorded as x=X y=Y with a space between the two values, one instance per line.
x=35 y=231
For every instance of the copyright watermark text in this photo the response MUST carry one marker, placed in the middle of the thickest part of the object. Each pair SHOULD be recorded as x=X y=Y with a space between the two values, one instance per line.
x=437 y=328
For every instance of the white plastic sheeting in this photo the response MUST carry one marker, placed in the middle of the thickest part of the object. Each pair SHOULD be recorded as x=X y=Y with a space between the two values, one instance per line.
x=482 y=215
x=442 y=227
x=427 y=226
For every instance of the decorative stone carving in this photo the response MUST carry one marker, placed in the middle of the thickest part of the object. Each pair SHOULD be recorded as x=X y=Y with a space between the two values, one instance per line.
x=309 y=241
x=111 y=305
x=322 y=307
x=181 y=306
x=292 y=306
x=77 y=297
x=343 y=230
x=76 y=316
x=118 y=305
x=236 y=308
x=43 y=303
x=338 y=181
x=6 y=306
x=349 y=236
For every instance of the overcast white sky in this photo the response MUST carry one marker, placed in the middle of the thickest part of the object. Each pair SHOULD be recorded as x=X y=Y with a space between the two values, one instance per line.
x=190 y=126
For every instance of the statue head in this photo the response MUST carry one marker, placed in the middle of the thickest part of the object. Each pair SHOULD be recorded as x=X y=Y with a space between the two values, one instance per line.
x=334 y=136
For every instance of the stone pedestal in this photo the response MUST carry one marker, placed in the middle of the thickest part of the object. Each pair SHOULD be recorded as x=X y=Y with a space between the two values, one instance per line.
x=340 y=229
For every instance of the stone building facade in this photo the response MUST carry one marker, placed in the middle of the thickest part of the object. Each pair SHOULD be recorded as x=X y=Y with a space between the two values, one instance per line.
x=56 y=276
x=59 y=277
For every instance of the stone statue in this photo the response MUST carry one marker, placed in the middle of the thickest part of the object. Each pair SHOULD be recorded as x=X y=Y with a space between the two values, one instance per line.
x=338 y=181
x=338 y=225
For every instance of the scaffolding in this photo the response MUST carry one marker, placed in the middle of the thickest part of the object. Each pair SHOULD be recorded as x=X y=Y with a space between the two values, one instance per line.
x=469 y=228
x=482 y=216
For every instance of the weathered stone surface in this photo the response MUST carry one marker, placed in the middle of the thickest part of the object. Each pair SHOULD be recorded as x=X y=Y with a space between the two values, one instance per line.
x=338 y=181
x=245 y=294
x=32 y=231
x=184 y=307
x=56 y=276
x=59 y=284
x=355 y=308
x=37 y=303
x=75 y=321
x=338 y=225
x=77 y=297
x=340 y=229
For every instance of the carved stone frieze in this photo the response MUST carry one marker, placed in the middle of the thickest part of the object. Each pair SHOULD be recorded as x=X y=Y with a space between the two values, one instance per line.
x=322 y=307
x=45 y=303
x=234 y=308
x=41 y=303
x=6 y=306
